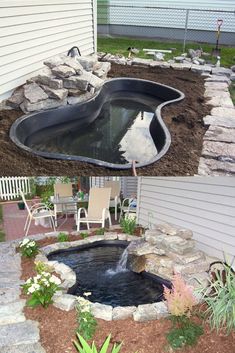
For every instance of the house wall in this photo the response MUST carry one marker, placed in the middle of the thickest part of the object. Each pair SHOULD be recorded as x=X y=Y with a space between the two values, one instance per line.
x=128 y=184
x=34 y=30
x=167 y=19
x=204 y=205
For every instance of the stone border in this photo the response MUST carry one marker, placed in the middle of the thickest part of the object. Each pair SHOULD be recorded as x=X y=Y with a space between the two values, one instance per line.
x=218 y=150
x=67 y=302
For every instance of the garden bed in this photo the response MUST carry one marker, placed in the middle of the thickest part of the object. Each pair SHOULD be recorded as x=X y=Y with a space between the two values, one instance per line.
x=184 y=121
x=57 y=327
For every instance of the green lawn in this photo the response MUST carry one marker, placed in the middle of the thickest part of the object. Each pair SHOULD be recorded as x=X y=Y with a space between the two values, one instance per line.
x=120 y=45
x=2 y=235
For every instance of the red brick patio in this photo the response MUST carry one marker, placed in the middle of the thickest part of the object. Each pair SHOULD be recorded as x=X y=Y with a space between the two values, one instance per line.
x=14 y=220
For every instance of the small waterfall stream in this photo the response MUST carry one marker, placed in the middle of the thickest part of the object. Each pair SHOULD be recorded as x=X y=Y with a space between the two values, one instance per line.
x=121 y=265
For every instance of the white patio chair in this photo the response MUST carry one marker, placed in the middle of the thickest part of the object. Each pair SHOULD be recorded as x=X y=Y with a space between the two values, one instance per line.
x=98 y=208
x=35 y=212
x=128 y=206
x=63 y=191
x=115 y=194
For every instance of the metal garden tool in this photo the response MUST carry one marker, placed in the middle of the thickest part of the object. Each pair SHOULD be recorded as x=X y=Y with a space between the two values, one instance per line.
x=216 y=51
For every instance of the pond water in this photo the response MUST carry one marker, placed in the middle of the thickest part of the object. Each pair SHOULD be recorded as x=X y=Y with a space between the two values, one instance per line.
x=119 y=134
x=101 y=271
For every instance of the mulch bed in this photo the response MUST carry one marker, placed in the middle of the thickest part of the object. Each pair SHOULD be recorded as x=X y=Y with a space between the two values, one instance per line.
x=184 y=121
x=57 y=328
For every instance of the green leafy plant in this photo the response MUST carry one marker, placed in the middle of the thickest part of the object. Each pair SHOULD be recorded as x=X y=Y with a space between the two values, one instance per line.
x=220 y=298
x=180 y=301
x=84 y=235
x=41 y=288
x=28 y=248
x=83 y=347
x=41 y=267
x=128 y=225
x=62 y=237
x=100 y=231
x=86 y=320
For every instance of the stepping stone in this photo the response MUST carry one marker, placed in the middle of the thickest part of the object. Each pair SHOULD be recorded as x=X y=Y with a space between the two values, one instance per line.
x=218 y=101
x=9 y=295
x=215 y=168
x=20 y=333
x=221 y=71
x=215 y=78
x=216 y=86
x=214 y=93
x=224 y=152
x=219 y=121
x=223 y=112
x=12 y=313
x=221 y=134
x=24 y=348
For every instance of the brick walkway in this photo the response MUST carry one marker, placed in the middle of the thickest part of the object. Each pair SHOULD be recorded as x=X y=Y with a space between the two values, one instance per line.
x=14 y=220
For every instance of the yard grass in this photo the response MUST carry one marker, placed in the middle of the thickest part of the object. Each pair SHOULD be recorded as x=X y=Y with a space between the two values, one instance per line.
x=2 y=234
x=116 y=45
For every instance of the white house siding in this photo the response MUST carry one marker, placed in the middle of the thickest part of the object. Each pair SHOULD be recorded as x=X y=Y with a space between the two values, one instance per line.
x=205 y=205
x=128 y=184
x=34 y=30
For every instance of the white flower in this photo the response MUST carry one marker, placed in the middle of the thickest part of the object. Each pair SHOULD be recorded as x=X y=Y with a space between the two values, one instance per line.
x=32 y=244
x=46 y=274
x=55 y=280
x=28 y=281
x=33 y=288
x=24 y=242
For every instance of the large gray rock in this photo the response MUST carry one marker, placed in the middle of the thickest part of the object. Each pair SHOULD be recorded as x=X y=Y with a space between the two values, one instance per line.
x=101 y=69
x=59 y=94
x=221 y=71
x=34 y=93
x=20 y=333
x=74 y=64
x=192 y=267
x=76 y=82
x=232 y=77
x=219 y=121
x=63 y=71
x=49 y=80
x=9 y=295
x=54 y=61
x=49 y=103
x=215 y=78
x=65 y=302
x=149 y=312
x=223 y=112
x=101 y=311
x=12 y=313
x=141 y=62
x=122 y=313
x=24 y=348
x=193 y=256
x=219 y=133
x=136 y=263
x=219 y=150
x=16 y=98
x=218 y=101
x=213 y=167
x=214 y=86
x=87 y=62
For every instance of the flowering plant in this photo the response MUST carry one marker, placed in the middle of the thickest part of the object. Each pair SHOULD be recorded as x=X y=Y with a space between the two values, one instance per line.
x=41 y=288
x=180 y=301
x=86 y=320
x=28 y=248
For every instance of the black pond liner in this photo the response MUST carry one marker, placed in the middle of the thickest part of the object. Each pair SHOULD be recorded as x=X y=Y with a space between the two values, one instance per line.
x=92 y=270
x=88 y=111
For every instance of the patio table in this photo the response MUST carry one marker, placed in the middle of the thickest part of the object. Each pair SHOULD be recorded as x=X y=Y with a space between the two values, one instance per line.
x=67 y=204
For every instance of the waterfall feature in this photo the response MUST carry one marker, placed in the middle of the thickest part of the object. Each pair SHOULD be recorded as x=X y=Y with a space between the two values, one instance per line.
x=121 y=265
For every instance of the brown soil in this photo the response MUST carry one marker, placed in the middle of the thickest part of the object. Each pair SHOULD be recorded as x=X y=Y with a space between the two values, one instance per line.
x=184 y=121
x=57 y=329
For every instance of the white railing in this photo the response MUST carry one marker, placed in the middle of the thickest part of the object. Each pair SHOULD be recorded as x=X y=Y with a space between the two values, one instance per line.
x=10 y=186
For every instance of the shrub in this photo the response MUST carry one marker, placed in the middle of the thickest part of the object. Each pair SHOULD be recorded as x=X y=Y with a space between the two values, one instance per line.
x=100 y=231
x=83 y=347
x=128 y=225
x=220 y=298
x=86 y=320
x=62 y=237
x=84 y=235
x=180 y=301
x=41 y=288
x=41 y=267
x=28 y=248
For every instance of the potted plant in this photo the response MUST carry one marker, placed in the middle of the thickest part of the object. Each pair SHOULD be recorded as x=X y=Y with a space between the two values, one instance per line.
x=21 y=205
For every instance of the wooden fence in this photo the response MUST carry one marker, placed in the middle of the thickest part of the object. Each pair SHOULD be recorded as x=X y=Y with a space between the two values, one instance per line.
x=10 y=186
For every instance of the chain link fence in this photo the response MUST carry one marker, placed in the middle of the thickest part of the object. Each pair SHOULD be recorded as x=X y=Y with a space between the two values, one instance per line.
x=166 y=23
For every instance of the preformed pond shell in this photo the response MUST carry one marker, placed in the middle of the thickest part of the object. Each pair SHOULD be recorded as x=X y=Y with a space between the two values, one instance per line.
x=87 y=112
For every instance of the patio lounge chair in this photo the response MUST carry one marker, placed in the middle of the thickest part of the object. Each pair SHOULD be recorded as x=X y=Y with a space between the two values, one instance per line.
x=115 y=194
x=98 y=208
x=128 y=206
x=36 y=212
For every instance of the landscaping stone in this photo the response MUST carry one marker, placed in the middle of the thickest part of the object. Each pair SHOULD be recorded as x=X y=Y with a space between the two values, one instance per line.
x=147 y=312
x=49 y=81
x=219 y=133
x=201 y=68
x=49 y=103
x=219 y=150
x=167 y=228
x=20 y=333
x=12 y=313
x=17 y=98
x=192 y=267
x=24 y=348
x=228 y=122
x=215 y=168
x=215 y=78
x=79 y=99
x=101 y=69
x=218 y=101
x=59 y=94
x=232 y=77
x=9 y=295
x=233 y=68
x=76 y=82
x=65 y=302
x=214 y=93
x=54 y=61
x=214 y=86
x=224 y=112
x=87 y=63
x=63 y=71
x=142 y=62
x=123 y=313
x=122 y=236
x=136 y=263
x=221 y=71
x=74 y=64
x=34 y=93
x=194 y=255
x=101 y=311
